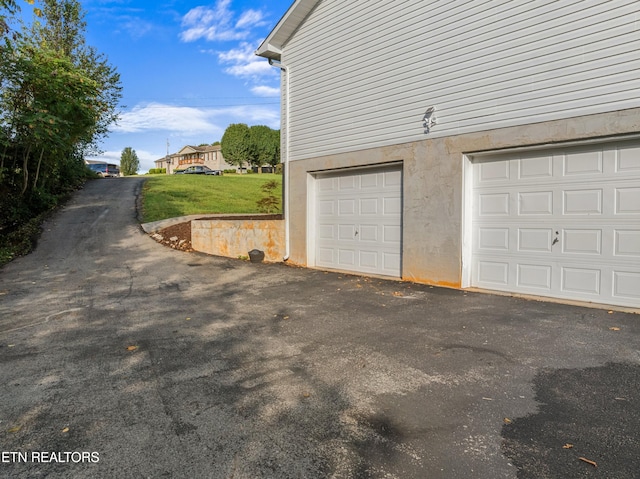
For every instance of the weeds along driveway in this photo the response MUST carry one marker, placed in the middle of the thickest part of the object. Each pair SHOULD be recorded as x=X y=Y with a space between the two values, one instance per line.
x=165 y=363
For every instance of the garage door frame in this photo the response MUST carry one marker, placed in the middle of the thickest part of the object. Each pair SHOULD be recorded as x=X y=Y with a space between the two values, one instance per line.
x=312 y=211
x=470 y=159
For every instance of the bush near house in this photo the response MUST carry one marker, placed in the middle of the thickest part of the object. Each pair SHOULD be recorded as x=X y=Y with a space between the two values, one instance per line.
x=168 y=196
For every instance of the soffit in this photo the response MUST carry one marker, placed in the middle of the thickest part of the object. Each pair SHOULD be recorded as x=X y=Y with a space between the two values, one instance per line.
x=271 y=47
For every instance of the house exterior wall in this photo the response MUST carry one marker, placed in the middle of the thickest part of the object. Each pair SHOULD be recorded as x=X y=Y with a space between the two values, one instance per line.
x=210 y=156
x=433 y=188
x=484 y=66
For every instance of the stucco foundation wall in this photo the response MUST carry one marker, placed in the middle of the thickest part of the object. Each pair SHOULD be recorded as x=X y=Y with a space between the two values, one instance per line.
x=236 y=237
x=433 y=186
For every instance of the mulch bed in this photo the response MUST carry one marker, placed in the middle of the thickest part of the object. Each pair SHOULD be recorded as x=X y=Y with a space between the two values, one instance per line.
x=176 y=236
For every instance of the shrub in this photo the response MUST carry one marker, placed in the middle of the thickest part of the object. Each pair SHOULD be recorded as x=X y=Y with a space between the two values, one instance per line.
x=270 y=203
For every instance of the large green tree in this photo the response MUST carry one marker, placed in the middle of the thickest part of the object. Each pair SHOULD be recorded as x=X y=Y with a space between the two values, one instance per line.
x=264 y=145
x=129 y=163
x=236 y=145
x=274 y=142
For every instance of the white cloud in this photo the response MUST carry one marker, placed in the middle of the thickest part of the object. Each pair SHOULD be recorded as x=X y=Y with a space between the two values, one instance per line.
x=253 y=115
x=136 y=27
x=158 y=116
x=217 y=23
x=266 y=91
x=193 y=121
x=250 y=18
x=244 y=63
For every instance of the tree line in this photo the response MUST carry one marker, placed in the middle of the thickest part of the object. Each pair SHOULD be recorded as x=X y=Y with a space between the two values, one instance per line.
x=58 y=97
x=256 y=145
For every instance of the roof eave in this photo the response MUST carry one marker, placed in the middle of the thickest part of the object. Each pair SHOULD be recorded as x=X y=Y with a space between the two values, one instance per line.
x=271 y=47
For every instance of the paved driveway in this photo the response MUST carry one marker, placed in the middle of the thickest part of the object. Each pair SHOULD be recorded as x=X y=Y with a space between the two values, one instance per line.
x=122 y=358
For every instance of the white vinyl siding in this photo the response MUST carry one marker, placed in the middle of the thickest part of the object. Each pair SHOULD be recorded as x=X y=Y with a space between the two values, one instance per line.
x=363 y=73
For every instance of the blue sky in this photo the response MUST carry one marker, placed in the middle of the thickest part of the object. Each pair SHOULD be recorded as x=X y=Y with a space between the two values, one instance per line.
x=188 y=70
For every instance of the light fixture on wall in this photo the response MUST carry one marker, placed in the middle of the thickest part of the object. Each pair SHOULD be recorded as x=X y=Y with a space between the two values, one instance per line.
x=429 y=119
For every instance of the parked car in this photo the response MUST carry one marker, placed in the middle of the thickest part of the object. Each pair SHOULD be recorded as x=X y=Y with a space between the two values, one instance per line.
x=198 y=170
x=106 y=170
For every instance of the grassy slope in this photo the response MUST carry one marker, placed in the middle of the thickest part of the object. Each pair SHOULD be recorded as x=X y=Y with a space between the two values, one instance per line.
x=168 y=196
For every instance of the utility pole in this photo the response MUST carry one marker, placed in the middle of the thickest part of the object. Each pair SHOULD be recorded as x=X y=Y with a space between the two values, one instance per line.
x=167 y=157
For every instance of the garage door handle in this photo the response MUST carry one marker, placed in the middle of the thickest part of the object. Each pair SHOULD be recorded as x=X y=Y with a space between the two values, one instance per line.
x=356 y=233
x=555 y=240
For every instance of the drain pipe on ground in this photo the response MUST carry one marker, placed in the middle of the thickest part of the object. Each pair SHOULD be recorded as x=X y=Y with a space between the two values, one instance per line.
x=287 y=175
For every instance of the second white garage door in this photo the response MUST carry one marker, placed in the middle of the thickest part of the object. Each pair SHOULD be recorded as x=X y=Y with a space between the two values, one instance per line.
x=358 y=221
x=560 y=222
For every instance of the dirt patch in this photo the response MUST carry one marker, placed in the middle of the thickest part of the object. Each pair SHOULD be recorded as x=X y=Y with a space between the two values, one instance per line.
x=176 y=236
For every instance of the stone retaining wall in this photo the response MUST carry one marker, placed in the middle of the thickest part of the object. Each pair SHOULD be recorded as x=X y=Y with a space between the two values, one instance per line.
x=235 y=235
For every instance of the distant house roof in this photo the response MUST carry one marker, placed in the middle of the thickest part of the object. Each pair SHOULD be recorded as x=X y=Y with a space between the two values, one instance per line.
x=200 y=149
x=271 y=47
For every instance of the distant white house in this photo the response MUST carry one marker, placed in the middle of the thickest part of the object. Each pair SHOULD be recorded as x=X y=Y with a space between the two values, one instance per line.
x=493 y=145
x=208 y=155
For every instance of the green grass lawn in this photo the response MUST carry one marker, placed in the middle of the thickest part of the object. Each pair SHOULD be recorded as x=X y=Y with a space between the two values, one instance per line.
x=168 y=196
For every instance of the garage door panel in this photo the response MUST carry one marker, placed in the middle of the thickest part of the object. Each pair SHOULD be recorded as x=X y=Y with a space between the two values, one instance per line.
x=492 y=272
x=493 y=172
x=535 y=203
x=585 y=162
x=326 y=208
x=536 y=167
x=562 y=223
x=628 y=159
x=391 y=261
x=326 y=185
x=368 y=259
x=583 y=202
x=626 y=284
x=346 y=257
x=534 y=276
x=346 y=232
x=582 y=241
x=347 y=183
x=392 y=235
x=392 y=206
x=326 y=232
x=369 y=206
x=326 y=255
x=491 y=239
x=627 y=243
x=581 y=280
x=535 y=240
x=369 y=233
x=346 y=207
x=369 y=181
x=393 y=179
x=628 y=201
x=493 y=204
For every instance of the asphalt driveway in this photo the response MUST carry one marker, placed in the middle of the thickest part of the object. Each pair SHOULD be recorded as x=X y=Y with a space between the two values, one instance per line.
x=122 y=358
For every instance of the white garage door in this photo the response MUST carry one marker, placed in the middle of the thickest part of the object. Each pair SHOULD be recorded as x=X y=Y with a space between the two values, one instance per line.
x=359 y=221
x=562 y=223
